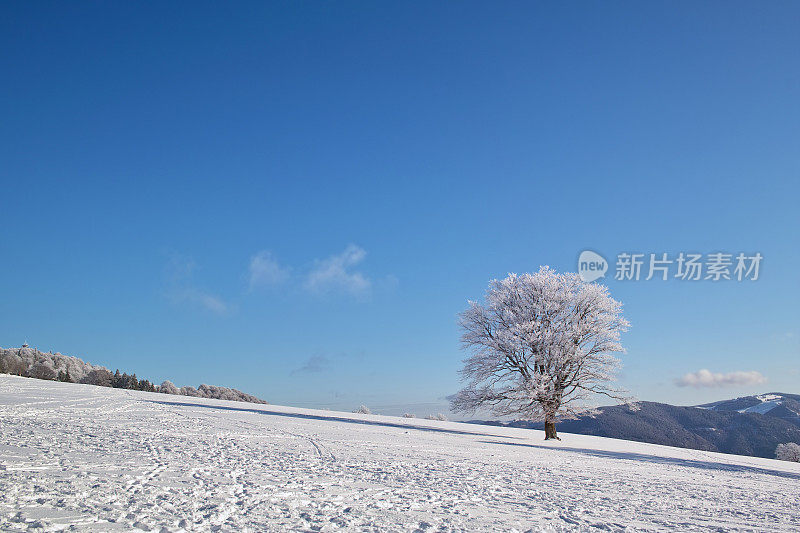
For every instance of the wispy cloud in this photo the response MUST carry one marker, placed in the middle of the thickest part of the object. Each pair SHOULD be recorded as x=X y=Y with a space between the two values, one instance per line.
x=264 y=270
x=784 y=337
x=314 y=365
x=336 y=273
x=181 y=290
x=201 y=299
x=706 y=378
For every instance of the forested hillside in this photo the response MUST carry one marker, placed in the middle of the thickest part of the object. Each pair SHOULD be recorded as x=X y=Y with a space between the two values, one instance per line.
x=701 y=428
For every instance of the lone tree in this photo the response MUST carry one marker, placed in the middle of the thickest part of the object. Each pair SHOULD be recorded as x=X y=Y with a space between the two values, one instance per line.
x=540 y=346
x=789 y=451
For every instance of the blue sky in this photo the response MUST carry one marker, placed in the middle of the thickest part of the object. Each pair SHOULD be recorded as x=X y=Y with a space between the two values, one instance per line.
x=296 y=199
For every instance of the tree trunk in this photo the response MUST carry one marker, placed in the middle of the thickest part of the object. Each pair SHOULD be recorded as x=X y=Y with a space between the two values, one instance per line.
x=550 y=430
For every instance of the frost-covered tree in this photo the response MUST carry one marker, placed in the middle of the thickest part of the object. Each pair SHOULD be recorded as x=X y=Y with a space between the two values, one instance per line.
x=540 y=346
x=31 y=362
x=789 y=451
x=168 y=387
x=364 y=410
x=42 y=371
x=101 y=377
x=12 y=364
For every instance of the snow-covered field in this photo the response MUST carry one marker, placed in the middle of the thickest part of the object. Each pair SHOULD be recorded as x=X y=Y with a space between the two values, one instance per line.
x=108 y=459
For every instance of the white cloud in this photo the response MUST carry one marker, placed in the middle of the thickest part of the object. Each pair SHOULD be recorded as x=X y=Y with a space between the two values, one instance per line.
x=706 y=378
x=335 y=274
x=202 y=299
x=180 y=288
x=264 y=270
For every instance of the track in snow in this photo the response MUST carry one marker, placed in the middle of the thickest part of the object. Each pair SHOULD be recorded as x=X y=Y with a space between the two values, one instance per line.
x=106 y=459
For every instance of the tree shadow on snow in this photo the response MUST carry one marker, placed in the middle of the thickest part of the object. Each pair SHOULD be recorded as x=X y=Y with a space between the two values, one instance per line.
x=329 y=418
x=693 y=463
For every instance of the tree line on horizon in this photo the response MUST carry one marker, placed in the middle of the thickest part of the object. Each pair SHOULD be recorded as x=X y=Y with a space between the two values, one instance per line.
x=102 y=378
x=32 y=363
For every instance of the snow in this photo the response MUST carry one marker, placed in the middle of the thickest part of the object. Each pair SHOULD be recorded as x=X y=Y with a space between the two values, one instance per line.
x=768 y=403
x=110 y=459
x=769 y=397
x=762 y=408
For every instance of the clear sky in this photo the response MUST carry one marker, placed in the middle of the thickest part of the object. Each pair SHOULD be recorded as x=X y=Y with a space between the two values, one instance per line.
x=297 y=198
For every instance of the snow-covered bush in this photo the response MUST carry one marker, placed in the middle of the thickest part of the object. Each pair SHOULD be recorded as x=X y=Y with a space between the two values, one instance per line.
x=409 y=415
x=168 y=387
x=439 y=416
x=225 y=393
x=364 y=410
x=190 y=391
x=789 y=451
x=209 y=391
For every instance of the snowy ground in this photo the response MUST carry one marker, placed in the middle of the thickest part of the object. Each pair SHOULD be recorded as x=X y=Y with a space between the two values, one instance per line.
x=108 y=459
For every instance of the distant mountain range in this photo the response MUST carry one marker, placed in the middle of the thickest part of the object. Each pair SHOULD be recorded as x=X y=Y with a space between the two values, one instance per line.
x=751 y=425
x=774 y=404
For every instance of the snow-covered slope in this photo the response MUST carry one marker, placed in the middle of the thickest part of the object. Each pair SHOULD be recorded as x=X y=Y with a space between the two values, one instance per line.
x=110 y=459
x=776 y=404
x=768 y=403
x=731 y=426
